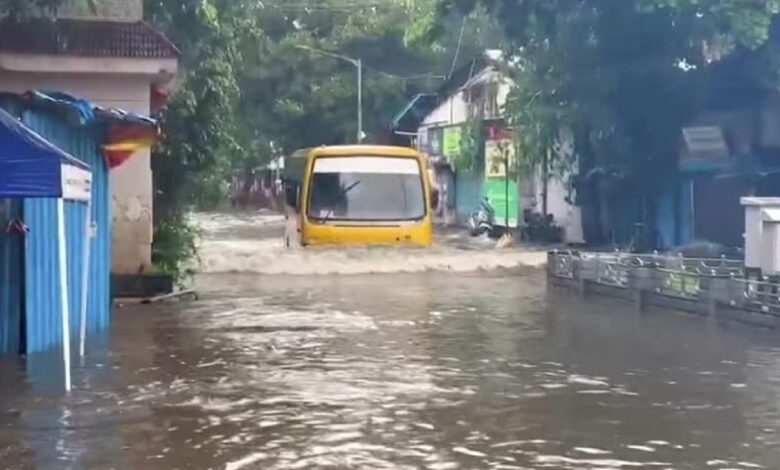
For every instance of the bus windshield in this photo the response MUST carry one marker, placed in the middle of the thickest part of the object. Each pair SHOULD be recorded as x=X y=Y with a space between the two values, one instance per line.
x=366 y=189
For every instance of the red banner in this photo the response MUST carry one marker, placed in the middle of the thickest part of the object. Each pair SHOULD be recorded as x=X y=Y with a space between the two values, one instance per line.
x=124 y=140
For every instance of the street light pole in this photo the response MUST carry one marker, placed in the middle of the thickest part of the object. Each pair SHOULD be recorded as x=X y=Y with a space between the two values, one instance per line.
x=357 y=63
x=360 y=101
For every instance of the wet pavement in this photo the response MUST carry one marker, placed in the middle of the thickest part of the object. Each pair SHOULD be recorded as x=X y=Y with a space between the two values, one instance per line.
x=426 y=370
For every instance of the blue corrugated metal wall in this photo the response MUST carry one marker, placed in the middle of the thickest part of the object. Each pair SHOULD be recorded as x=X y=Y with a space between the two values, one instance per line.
x=75 y=230
x=10 y=285
x=42 y=289
x=675 y=214
x=84 y=144
x=686 y=212
x=468 y=192
x=666 y=220
x=42 y=270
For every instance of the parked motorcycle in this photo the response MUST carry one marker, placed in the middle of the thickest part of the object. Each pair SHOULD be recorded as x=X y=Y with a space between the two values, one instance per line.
x=538 y=228
x=482 y=220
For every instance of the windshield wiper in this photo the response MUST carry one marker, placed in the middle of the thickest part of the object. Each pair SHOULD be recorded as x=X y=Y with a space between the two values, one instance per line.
x=344 y=192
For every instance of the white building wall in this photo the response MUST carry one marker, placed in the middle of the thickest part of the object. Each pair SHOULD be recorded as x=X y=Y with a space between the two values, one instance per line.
x=567 y=216
x=504 y=88
x=454 y=110
x=451 y=111
x=132 y=182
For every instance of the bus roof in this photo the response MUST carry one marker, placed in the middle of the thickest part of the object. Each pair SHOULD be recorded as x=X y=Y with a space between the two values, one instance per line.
x=363 y=150
x=295 y=166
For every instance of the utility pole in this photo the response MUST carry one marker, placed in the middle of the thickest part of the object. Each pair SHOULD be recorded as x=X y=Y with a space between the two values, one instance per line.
x=357 y=63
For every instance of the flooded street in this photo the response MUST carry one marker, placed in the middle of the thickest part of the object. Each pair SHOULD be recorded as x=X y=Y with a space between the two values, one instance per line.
x=410 y=367
x=252 y=244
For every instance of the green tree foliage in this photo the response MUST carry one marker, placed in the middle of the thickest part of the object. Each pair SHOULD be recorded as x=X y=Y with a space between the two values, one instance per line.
x=466 y=159
x=199 y=123
x=623 y=76
x=250 y=91
x=730 y=22
x=296 y=98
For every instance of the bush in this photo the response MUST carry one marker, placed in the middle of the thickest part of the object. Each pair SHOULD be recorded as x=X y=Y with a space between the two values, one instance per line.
x=175 y=248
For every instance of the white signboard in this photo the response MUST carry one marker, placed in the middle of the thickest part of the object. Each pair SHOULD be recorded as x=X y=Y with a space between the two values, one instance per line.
x=706 y=142
x=76 y=183
x=381 y=165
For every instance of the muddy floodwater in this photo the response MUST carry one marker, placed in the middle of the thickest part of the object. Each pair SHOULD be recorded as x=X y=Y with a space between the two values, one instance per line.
x=418 y=369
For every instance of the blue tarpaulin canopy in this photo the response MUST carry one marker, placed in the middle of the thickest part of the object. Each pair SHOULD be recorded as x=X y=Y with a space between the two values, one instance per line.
x=30 y=166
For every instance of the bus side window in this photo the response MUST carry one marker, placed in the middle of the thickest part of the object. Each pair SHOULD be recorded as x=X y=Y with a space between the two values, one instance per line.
x=291 y=194
x=434 y=198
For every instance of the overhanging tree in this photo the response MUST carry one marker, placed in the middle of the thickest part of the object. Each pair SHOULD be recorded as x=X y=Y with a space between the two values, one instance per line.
x=248 y=93
x=623 y=76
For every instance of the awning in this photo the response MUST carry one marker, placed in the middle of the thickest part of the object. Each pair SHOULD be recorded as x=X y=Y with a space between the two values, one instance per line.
x=414 y=112
x=31 y=167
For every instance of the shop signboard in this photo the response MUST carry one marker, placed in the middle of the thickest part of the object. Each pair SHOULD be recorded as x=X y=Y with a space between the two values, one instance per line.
x=501 y=186
x=451 y=141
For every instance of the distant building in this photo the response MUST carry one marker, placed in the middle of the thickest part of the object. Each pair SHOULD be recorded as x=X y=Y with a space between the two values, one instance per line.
x=113 y=59
x=727 y=152
x=467 y=115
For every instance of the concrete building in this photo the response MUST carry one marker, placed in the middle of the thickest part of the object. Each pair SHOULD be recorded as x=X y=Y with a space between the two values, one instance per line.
x=476 y=95
x=113 y=59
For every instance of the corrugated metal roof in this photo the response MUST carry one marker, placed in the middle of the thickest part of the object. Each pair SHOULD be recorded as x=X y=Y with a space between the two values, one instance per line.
x=415 y=111
x=89 y=38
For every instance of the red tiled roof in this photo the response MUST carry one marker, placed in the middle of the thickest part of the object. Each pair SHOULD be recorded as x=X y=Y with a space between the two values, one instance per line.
x=86 y=38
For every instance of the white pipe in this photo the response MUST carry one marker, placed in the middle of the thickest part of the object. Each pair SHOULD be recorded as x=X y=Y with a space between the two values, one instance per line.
x=64 y=292
x=85 y=280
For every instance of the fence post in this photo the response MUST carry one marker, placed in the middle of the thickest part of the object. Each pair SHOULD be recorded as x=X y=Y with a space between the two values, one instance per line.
x=552 y=258
x=642 y=284
x=582 y=268
x=716 y=287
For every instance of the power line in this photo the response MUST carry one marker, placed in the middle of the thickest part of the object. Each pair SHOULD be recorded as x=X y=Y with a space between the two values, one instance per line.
x=340 y=55
x=423 y=76
x=460 y=44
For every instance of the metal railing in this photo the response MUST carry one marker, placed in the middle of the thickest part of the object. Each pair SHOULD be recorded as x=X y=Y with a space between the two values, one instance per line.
x=562 y=264
x=760 y=295
x=716 y=281
x=612 y=273
x=716 y=267
x=681 y=284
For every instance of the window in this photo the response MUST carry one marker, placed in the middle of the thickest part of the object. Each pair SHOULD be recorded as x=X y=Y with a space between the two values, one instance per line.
x=491 y=101
x=366 y=189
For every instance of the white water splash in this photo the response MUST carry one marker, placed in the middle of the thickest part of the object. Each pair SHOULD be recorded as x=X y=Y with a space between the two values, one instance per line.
x=253 y=244
x=469 y=452
x=592 y=451
x=641 y=448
